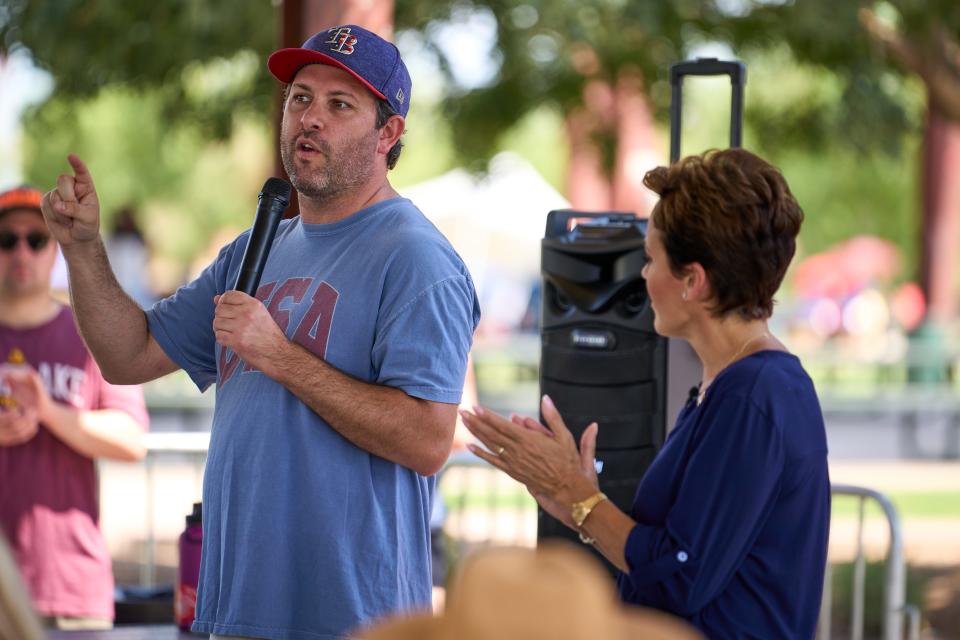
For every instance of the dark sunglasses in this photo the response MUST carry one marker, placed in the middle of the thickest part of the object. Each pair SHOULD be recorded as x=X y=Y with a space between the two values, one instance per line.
x=36 y=240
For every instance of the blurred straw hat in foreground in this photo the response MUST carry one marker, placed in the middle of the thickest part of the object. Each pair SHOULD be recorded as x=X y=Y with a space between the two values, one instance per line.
x=555 y=592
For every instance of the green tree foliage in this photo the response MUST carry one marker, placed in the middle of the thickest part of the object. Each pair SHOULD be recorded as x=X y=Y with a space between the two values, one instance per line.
x=168 y=101
x=184 y=186
x=201 y=58
x=553 y=47
x=144 y=89
x=844 y=190
x=874 y=48
x=547 y=50
x=876 y=97
x=823 y=99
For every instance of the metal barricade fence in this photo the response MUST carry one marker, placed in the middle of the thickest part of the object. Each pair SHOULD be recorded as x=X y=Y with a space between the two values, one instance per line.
x=895 y=606
x=487 y=508
x=143 y=506
x=484 y=506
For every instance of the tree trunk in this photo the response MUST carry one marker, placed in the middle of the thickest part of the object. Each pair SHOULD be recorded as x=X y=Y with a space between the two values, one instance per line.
x=588 y=184
x=588 y=189
x=636 y=146
x=375 y=15
x=940 y=233
x=621 y=114
x=300 y=19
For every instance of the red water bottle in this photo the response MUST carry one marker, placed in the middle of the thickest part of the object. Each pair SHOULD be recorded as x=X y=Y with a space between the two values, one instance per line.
x=188 y=570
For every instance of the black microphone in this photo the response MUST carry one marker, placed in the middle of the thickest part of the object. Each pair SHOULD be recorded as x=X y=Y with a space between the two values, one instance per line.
x=274 y=198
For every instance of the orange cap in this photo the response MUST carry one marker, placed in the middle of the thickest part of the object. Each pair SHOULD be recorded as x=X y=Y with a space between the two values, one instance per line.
x=22 y=197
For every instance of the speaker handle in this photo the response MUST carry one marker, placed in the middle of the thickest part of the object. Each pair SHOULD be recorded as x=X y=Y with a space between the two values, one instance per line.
x=558 y=220
x=706 y=67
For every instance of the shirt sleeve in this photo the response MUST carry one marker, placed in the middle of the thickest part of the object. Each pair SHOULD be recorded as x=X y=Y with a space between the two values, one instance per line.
x=126 y=398
x=182 y=324
x=422 y=348
x=728 y=490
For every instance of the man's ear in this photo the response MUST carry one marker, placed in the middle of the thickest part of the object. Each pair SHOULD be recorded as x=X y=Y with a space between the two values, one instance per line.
x=390 y=133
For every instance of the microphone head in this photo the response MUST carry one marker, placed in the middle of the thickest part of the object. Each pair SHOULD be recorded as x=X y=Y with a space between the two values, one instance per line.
x=276 y=188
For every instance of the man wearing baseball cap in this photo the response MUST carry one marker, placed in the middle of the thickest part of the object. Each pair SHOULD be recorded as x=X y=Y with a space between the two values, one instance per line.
x=57 y=415
x=337 y=385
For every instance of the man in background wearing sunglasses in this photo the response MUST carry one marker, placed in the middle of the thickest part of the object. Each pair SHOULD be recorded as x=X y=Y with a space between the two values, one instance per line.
x=57 y=415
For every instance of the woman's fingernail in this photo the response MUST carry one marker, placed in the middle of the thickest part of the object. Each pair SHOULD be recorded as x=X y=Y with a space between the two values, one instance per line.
x=478 y=410
x=547 y=401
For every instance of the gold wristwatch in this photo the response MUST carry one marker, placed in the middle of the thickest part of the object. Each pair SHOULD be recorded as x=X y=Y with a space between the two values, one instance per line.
x=580 y=510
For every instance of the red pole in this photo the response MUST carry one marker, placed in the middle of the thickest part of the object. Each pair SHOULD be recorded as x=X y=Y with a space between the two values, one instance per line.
x=941 y=215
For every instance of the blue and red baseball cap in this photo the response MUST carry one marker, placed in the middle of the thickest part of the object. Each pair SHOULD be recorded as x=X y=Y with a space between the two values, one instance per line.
x=363 y=54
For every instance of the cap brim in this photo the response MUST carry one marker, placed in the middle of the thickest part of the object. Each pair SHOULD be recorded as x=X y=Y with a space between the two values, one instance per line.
x=25 y=207
x=285 y=63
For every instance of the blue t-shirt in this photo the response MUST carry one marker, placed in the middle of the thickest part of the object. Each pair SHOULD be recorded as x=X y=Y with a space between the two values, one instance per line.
x=734 y=512
x=306 y=535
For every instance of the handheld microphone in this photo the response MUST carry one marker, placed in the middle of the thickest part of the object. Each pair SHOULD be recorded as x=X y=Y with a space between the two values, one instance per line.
x=274 y=198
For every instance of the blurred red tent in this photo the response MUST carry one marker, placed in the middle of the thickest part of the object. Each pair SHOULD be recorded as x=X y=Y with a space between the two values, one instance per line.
x=847 y=267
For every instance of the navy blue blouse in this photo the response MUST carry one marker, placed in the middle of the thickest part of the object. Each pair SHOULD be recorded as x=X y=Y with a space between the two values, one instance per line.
x=734 y=513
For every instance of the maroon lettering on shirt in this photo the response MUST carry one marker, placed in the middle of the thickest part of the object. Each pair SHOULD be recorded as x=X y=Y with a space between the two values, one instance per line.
x=228 y=359
x=313 y=330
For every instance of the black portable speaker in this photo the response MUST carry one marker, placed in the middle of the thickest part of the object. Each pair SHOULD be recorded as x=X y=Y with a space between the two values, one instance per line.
x=600 y=357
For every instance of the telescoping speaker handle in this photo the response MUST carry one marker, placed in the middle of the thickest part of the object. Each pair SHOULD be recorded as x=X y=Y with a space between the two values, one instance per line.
x=707 y=67
x=559 y=221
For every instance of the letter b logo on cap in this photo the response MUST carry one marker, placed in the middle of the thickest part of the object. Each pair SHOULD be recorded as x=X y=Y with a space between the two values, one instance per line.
x=342 y=40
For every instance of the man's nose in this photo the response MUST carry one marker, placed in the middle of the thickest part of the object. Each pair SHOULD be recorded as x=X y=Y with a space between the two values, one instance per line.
x=22 y=249
x=312 y=117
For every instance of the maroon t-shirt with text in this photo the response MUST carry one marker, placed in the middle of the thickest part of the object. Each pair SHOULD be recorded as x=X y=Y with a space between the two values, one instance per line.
x=48 y=492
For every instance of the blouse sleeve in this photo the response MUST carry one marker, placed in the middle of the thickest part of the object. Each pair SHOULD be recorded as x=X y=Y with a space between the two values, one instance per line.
x=731 y=480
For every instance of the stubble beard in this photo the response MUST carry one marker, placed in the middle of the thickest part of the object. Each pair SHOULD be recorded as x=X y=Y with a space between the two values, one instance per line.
x=24 y=278
x=24 y=286
x=339 y=173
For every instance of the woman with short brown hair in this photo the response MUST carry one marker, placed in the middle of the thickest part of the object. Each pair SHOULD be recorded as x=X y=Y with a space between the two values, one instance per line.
x=729 y=525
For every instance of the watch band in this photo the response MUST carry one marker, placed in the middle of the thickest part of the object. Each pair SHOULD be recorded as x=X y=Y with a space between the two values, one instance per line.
x=579 y=512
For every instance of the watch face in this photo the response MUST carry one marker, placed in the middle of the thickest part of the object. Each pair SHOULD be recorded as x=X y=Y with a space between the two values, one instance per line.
x=578 y=515
x=580 y=510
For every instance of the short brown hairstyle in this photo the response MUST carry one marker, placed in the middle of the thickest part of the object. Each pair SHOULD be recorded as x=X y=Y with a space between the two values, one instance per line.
x=732 y=212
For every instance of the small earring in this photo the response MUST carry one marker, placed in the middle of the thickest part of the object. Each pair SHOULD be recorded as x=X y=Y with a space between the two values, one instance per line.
x=684 y=295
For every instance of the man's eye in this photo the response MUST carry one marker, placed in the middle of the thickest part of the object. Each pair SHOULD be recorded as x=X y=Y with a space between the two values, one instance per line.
x=340 y=104
x=300 y=97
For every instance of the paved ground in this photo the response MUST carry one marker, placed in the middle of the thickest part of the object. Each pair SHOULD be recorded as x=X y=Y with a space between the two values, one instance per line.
x=927 y=541
x=898 y=475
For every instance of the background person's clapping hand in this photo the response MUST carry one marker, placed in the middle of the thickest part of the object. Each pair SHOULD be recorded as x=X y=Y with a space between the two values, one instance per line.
x=20 y=414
